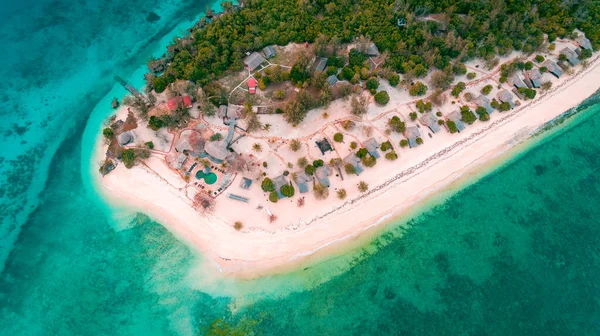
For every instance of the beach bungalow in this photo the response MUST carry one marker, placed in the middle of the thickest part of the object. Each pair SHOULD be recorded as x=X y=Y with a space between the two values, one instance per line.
x=484 y=102
x=505 y=96
x=456 y=119
x=353 y=160
x=302 y=179
x=252 y=83
x=279 y=182
x=324 y=146
x=518 y=81
x=583 y=42
x=179 y=161
x=322 y=174
x=179 y=102
x=371 y=145
x=372 y=50
x=412 y=133
x=253 y=60
x=320 y=64
x=245 y=183
x=571 y=55
x=332 y=80
x=535 y=77
x=518 y=94
x=553 y=68
x=269 y=51
x=430 y=120
x=217 y=151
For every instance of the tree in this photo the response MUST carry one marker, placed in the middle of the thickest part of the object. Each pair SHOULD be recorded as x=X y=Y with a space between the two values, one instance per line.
x=362 y=153
x=273 y=197
x=287 y=190
x=320 y=191
x=471 y=75
x=257 y=147
x=347 y=73
x=487 y=89
x=349 y=169
x=155 y=123
x=466 y=115
x=279 y=95
x=396 y=124
x=107 y=132
x=369 y=160
x=546 y=85
x=418 y=89
x=128 y=158
x=382 y=97
x=539 y=58
x=159 y=84
x=386 y=146
x=215 y=137
x=459 y=69
x=341 y=194
x=338 y=137
x=451 y=126
x=294 y=112
x=403 y=143
x=353 y=145
x=363 y=186
x=441 y=80
x=392 y=156
x=394 y=79
x=372 y=84
x=238 y=225
x=267 y=185
x=318 y=163
x=295 y=145
x=302 y=162
x=358 y=105
x=149 y=144
x=413 y=116
x=309 y=169
x=585 y=54
x=458 y=88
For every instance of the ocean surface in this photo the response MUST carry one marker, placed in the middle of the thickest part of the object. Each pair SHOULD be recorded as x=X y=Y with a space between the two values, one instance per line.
x=515 y=253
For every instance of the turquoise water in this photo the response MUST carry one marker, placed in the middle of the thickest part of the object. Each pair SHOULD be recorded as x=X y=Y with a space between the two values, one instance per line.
x=513 y=254
x=209 y=178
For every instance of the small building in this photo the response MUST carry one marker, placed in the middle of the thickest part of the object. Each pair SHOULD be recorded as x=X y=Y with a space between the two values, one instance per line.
x=324 y=146
x=179 y=161
x=302 y=179
x=245 y=183
x=518 y=94
x=535 y=77
x=484 y=102
x=583 y=42
x=553 y=68
x=332 y=80
x=320 y=64
x=322 y=174
x=371 y=145
x=455 y=117
x=430 y=120
x=252 y=83
x=518 y=81
x=179 y=102
x=269 y=51
x=253 y=60
x=354 y=161
x=218 y=150
x=412 y=133
x=372 y=50
x=279 y=182
x=125 y=138
x=571 y=55
x=505 y=96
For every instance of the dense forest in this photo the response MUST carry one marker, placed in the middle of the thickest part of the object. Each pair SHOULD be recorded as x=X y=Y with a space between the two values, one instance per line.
x=462 y=29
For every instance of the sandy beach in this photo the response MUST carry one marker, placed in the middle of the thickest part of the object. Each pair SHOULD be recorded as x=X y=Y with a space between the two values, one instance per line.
x=299 y=233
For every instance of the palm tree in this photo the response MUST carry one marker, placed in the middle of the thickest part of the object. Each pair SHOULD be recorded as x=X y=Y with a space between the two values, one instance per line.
x=257 y=147
x=295 y=145
x=321 y=192
x=363 y=186
x=341 y=194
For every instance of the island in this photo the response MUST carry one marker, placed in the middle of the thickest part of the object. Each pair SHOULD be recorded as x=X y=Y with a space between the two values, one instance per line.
x=263 y=141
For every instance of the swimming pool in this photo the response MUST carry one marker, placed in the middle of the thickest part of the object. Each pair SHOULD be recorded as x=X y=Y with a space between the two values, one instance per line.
x=209 y=178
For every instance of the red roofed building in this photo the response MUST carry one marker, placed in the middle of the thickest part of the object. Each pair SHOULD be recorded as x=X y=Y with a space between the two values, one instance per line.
x=178 y=101
x=252 y=85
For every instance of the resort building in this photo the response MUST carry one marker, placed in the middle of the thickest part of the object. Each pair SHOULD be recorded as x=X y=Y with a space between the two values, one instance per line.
x=535 y=77
x=583 y=42
x=245 y=183
x=320 y=64
x=252 y=83
x=456 y=119
x=322 y=174
x=302 y=179
x=179 y=102
x=269 y=51
x=412 y=133
x=354 y=161
x=505 y=96
x=518 y=81
x=332 y=80
x=371 y=146
x=553 y=68
x=324 y=146
x=253 y=60
x=518 y=94
x=279 y=182
x=125 y=138
x=571 y=55
x=179 y=161
x=430 y=120
x=372 y=50
x=217 y=151
x=484 y=102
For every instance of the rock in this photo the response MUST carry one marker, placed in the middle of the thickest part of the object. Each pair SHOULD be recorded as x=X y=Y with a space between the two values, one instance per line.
x=115 y=103
x=152 y=17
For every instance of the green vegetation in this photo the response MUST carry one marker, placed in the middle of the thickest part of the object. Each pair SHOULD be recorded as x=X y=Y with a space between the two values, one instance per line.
x=215 y=137
x=273 y=197
x=392 y=156
x=419 y=141
x=403 y=143
x=458 y=88
x=320 y=191
x=108 y=133
x=295 y=145
x=467 y=115
x=539 y=58
x=128 y=158
x=318 y=163
x=363 y=186
x=287 y=190
x=349 y=169
x=471 y=75
x=267 y=185
x=353 y=145
x=487 y=89
x=394 y=79
x=341 y=194
x=309 y=169
x=149 y=144
x=418 y=89
x=302 y=162
x=528 y=93
x=382 y=98
x=338 y=137
x=155 y=123
x=413 y=116
x=459 y=69
x=423 y=106
x=451 y=126
x=369 y=160
x=372 y=84
x=396 y=124
x=362 y=153
x=386 y=146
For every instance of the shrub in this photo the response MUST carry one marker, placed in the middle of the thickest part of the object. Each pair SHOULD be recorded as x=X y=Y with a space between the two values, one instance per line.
x=318 y=163
x=215 y=137
x=338 y=137
x=413 y=116
x=353 y=145
x=418 y=89
x=287 y=190
x=273 y=197
x=451 y=126
x=419 y=141
x=391 y=156
x=372 y=83
x=279 y=94
x=458 y=88
x=159 y=84
x=238 y=226
x=347 y=73
x=382 y=97
x=440 y=122
x=528 y=93
x=459 y=69
x=467 y=115
x=471 y=75
x=349 y=169
x=369 y=160
x=128 y=158
x=394 y=79
x=484 y=117
x=363 y=186
x=267 y=185
x=528 y=65
x=149 y=144
x=403 y=143
x=396 y=124
x=302 y=162
x=107 y=132
x=309 y=169
x=487 y=89
x=480 y=110
x=503 y=79
x=386 y=146
x=539 y=58
x=423 y=106
x=438 y=113
x=341 y=194
x=295 y=145
x=155 y=123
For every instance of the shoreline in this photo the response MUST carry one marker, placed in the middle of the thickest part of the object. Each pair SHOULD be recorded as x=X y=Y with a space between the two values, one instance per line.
x=250 y=254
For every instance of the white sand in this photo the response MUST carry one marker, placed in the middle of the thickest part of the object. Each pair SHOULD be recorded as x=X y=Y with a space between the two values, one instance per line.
x=397 y=186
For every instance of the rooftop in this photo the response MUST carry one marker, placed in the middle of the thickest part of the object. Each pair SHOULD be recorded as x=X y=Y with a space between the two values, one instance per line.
x=253 y=60
x=324 y=146
x=320 y=64
x=269 y=51
x=322 y=174
x=371 y=145
x=431 y=121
